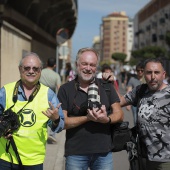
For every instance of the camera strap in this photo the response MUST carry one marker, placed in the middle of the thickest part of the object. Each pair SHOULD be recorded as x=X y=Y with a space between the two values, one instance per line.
x=15 y=92
x=14 y=147
x=31 y=97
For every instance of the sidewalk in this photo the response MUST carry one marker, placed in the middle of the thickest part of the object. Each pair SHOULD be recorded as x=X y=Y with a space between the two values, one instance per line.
x=54 y=159
x=55 y=152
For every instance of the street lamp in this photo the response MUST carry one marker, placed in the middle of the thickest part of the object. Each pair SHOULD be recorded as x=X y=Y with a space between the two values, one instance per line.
x=61 y=37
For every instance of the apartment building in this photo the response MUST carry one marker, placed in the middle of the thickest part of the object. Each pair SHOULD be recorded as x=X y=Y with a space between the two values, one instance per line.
x=130 y=37
x=114 y=34
x=151 y=24
x=96 y=43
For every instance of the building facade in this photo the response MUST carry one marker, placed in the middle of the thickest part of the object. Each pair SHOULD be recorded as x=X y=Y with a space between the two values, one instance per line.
x=130 y=38
x=151 y=24
x=114 y=34
x=32 y=25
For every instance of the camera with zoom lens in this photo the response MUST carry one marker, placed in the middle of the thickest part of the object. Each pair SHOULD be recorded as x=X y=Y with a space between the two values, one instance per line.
x=9 y=120
x=93 y=97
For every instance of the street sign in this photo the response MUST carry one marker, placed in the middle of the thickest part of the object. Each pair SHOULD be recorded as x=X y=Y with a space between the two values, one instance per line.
x=62 y=36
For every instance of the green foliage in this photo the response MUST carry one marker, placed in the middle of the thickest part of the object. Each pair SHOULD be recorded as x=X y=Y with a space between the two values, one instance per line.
x=133 y=61
x=105 y=62
x=119 y=57
x=149 y=52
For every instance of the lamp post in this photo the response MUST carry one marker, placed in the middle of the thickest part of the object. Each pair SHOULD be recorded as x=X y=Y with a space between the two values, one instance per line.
x=64 y=51
x=61 y=37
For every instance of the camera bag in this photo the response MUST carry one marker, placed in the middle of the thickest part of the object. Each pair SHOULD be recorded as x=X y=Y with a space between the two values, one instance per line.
x=121 y=134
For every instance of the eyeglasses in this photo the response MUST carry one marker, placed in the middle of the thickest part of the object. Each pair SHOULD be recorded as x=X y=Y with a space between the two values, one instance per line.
x=28 y=68
x=139 y=70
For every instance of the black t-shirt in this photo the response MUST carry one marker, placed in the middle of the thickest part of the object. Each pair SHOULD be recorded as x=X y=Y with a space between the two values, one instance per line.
x=90 y=137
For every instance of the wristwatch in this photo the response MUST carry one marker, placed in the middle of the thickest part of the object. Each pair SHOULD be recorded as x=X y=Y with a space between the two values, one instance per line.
x=56 y=122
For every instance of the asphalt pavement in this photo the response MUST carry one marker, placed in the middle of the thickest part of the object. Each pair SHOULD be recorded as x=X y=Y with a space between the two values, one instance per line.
x=54 y=159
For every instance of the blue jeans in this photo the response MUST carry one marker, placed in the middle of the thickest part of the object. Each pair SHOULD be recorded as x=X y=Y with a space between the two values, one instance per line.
x=4 y=165
x=101 y=161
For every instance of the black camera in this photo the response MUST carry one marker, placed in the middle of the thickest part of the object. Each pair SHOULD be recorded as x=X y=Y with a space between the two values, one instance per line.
x=9 y=120
x=93 y=97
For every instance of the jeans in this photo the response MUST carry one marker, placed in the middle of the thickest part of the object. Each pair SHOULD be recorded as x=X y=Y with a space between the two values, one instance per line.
x=101 y=161
x=4 y=165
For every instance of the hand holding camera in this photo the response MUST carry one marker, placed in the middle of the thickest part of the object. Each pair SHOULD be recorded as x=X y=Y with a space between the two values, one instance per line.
x=9 y=122
x=96 y=111
x=98 y=115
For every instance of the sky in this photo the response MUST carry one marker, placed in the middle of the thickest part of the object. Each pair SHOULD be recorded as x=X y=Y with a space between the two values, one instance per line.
x=90 y=14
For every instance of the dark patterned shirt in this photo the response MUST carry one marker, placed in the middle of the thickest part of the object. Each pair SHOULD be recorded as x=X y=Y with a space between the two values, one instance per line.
x=154 y=122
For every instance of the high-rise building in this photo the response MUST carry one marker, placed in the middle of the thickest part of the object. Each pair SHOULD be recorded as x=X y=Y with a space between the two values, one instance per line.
x=114 y=34
x=152 y=23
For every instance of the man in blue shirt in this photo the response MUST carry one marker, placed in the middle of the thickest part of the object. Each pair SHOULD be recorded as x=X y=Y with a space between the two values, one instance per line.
x=36 y=107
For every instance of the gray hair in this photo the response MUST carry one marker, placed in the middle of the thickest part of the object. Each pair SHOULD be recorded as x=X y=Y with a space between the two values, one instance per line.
x=30 y=54
x=82 y=50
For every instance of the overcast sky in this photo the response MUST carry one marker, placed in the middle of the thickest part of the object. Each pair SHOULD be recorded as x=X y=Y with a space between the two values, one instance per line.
x=90 y=14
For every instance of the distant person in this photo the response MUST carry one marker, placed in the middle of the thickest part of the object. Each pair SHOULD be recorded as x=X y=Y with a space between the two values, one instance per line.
x=123 y=78
x=70 y=73
x=51 y=79
x=107 y=69
x=133 y=82
x=36 y=106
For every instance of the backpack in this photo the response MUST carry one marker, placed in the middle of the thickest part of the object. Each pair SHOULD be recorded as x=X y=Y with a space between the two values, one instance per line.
x=121 y=134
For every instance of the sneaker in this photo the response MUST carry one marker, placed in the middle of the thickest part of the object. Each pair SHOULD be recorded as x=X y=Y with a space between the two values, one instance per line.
x=52 y=139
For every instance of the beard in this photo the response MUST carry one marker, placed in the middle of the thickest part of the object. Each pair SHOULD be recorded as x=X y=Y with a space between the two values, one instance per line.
x=155 y=87
x=88 y=77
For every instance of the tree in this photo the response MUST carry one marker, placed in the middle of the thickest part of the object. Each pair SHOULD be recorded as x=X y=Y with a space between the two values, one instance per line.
x=149 y=52
x=105 y=62
x=119 y=57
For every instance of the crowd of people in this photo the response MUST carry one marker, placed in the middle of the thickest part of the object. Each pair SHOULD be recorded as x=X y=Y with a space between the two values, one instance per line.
x=80 y=106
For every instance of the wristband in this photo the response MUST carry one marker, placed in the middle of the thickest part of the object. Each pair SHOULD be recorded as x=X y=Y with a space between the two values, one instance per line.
x=109 y=122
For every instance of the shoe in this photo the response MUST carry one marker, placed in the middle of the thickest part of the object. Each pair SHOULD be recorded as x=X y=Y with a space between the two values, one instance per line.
x=52 y=139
